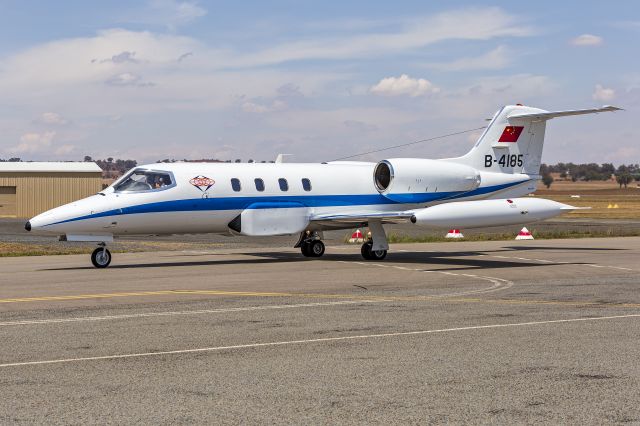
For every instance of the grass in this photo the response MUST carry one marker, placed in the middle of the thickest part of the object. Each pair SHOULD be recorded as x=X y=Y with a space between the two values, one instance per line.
x=29 y=249
x=598 y=196
x=22 y=249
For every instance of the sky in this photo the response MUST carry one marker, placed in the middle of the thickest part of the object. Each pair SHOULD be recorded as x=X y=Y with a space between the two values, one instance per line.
x=157 y=79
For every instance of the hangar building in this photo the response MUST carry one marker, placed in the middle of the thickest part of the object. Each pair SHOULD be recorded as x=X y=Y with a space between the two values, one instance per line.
x=30 y=188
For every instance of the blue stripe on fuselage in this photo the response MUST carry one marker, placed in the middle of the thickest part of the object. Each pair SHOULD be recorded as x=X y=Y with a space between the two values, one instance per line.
x=283 y=201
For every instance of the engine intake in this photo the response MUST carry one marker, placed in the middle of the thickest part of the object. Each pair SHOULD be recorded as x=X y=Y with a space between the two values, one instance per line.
x=383 y=174
x=420 y=180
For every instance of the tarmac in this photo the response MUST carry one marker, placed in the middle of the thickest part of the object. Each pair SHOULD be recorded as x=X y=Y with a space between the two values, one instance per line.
x=468 y=332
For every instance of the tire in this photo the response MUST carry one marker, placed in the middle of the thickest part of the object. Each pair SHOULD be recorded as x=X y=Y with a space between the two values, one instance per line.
x=370 y=254
x=316 y=248
x=305 y=248
x=101 y=257
x=378 y=254
x=365 y=251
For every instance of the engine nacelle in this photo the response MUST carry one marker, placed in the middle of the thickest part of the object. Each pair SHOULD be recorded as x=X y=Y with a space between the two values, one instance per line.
x=415 y=179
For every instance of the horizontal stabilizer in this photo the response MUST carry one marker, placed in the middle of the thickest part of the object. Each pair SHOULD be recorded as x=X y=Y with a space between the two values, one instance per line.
x=548 y=115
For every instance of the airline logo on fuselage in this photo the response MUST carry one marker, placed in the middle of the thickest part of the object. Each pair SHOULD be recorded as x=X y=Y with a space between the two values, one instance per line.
x=203 y=183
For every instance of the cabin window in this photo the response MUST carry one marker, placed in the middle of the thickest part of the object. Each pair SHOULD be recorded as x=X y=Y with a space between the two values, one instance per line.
x=235 y=184
x=259 y=184
x=284 y=186
x=306 y=184
x=145 y=180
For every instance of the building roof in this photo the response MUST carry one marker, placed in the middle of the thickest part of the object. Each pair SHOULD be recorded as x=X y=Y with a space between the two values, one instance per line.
x=49 y=166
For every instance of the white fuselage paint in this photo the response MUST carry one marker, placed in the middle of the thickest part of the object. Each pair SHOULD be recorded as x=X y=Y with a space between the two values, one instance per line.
x=344 y=187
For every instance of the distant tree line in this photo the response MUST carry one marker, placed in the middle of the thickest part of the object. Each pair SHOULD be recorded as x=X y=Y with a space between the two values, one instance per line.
x=623 y=174
x=113 y=168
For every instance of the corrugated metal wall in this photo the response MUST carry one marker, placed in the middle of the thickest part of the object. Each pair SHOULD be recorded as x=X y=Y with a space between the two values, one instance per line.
x=38 y=192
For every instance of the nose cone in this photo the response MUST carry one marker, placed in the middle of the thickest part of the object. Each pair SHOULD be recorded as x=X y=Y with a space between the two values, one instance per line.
x=27 y=226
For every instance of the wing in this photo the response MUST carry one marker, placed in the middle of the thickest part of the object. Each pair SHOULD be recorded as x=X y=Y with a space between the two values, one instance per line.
x=355 y=219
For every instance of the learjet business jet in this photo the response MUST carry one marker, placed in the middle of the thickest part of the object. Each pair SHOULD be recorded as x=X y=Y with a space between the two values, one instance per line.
x=484 y=187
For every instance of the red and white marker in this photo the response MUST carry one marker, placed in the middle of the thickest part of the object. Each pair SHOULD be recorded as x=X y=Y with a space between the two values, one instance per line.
x=524 y=234
x=356 y=237
x=454 y=233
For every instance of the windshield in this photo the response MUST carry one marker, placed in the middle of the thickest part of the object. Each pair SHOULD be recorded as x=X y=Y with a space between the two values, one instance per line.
x=144 y=180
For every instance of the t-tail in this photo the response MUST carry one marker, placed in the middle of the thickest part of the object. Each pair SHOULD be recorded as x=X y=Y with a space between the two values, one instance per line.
x=512 y=142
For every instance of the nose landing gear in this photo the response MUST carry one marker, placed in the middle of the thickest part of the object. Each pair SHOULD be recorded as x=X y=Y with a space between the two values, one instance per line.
x=101 y=257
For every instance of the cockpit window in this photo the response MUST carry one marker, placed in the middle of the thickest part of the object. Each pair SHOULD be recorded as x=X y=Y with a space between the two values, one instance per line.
x=144 y=180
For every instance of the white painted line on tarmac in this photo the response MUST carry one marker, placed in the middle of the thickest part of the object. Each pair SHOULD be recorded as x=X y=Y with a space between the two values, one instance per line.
x=498 y=283
x=197 y=312
x=310 y=341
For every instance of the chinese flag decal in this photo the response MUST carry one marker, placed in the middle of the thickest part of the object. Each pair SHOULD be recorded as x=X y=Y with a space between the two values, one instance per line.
x=511 y=134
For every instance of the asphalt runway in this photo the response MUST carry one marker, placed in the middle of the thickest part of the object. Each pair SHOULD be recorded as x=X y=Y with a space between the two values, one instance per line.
x=486 y=332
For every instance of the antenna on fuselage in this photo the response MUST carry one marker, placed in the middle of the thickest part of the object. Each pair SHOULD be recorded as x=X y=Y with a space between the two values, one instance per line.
x=280 y=158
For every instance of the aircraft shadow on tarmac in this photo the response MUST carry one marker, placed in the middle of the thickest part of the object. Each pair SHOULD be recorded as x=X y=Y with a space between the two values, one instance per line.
x=455 y=260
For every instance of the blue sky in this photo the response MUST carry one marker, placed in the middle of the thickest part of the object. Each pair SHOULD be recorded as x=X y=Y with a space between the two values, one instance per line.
x=194 y=79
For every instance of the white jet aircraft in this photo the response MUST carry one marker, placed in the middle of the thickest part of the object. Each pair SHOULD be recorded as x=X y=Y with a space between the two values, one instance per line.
x=478 y=189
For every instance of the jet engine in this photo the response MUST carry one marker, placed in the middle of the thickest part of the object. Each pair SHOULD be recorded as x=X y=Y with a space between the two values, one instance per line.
x=415 y=179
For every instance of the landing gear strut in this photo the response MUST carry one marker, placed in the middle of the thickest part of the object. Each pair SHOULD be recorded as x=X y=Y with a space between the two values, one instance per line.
x=101 y=257
x=310 y=244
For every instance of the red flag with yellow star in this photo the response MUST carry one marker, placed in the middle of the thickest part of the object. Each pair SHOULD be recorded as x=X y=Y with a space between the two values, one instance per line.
x=511 y=134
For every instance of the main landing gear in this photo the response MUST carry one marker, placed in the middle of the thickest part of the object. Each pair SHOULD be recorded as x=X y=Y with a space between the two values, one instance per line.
x=101 y=257
x=314 y=248
x=369 y=254
x=310 y=244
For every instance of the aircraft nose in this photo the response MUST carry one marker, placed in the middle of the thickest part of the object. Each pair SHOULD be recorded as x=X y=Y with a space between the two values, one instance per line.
x=27 y=226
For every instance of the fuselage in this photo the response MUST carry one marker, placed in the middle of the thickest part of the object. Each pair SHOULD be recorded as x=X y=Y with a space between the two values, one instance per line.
x=173 y=198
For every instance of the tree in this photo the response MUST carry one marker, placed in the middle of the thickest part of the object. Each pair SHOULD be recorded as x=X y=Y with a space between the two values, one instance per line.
x=547 y=180
x=87 y=158
x=623 y=175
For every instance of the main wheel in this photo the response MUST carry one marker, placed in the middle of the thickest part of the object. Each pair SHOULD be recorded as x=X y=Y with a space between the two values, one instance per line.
x=316 y=248
x=101 y=257
x=305 y=248
x=370 y=254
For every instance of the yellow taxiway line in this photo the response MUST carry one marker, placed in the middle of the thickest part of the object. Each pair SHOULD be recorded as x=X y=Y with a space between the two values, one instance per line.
x=416 y=298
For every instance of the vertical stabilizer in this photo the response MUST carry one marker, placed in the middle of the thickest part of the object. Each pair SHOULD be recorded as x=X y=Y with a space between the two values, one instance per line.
x=513 y=140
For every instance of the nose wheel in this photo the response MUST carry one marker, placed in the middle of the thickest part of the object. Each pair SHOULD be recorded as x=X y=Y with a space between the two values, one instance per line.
x=101 y=257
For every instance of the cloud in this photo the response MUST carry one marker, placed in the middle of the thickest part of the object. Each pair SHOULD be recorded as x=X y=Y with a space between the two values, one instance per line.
x=603 y=94
x=127 y=79
x=359 y=126
x=587 y=40
x=169 y=13
x=64 y=150
x=122 y=57
x=403 y=85
x=52 y=118
x=413 y=34
x=498 y=58
x=33 y=142
x=252 y=107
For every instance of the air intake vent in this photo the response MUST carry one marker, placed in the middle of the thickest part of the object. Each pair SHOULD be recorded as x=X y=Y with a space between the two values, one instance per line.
x=383 y=175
